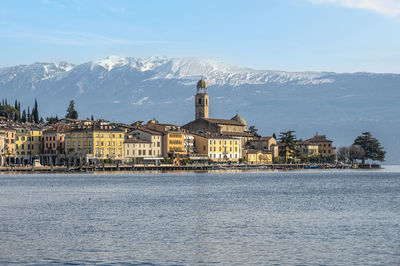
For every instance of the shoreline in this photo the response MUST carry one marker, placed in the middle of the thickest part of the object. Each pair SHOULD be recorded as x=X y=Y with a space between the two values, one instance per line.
x=177 y=169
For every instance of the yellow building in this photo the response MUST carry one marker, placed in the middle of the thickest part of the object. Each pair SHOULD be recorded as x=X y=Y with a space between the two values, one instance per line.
x=8 y=146
x=258 y=157
x=218 y=148
x=172 y=141
x=28 y=144
x=95 y=143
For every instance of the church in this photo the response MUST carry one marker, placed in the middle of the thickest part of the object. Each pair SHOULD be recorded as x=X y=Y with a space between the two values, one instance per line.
x=204 y=125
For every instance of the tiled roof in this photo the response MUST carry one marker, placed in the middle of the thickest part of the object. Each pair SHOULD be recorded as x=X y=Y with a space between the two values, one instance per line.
x=137 y=141
x=223 y=121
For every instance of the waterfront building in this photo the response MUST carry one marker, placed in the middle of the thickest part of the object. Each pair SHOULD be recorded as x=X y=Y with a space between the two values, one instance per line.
x=9 y=149
x=95 y=143
x=219 y=148
x=28 y=143
x=152 y=136
x=188 y=143
x=137 y=150
x=326 y=151
x=258 y=157
x=54 y=144
x=172 y=139
x=266 y=144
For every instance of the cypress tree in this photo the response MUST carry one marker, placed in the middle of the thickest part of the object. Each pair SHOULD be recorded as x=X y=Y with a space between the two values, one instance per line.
x=19 y=111
x=29 y=115
x=35 y=113
x=23 y=118
x=16 y=107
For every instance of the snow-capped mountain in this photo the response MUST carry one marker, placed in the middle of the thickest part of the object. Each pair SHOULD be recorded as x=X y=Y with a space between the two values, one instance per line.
x=128 y=89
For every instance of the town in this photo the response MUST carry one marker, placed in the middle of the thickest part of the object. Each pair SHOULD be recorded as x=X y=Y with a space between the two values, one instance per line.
x=75 y=142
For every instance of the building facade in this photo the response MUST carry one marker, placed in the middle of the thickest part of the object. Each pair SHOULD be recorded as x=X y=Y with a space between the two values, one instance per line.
x=92 y=144
x=258 y=157
x=218 y=148
x=154 y=137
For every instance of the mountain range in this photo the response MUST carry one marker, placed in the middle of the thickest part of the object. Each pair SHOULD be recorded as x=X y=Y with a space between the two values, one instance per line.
x=340 y=105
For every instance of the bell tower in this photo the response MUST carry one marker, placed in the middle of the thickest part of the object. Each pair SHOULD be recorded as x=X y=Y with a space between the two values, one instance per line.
x=201 y=100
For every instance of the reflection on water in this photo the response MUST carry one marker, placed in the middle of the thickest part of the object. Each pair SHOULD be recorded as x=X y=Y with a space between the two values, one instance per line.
x=258 y=217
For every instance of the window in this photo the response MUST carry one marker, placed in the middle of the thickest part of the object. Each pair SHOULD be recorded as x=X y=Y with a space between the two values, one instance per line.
x=149 y=152
x=204 y=148
x=144 y=152
x=199 y=100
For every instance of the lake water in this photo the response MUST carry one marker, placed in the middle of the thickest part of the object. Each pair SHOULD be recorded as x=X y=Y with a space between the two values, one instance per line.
x=310 y=217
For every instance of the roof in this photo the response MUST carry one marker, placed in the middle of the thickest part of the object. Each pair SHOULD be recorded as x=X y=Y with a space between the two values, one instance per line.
x=238 y=134
x=239 y=119
x=223 y=121
x=319 y=138
x=137 y=141
x=252 y=151
x=213 y=136
x=148 y=130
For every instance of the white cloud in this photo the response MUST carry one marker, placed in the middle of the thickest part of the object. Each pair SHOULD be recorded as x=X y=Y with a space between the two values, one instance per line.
x=389 y=8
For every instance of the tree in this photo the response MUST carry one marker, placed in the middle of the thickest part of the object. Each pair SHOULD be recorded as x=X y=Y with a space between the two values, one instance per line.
x=288 y=138
x=92 y=118
x=35 y=113
x=16 y=107
x=29 y=115
x=253 y=130
x=371 y=147
x=8 y=111
x=355 y=153
x=343 y=154
x=274 y=135
x=23 y=117
x=71 y=112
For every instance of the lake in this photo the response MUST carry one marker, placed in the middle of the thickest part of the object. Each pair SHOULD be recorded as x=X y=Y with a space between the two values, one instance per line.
x=305 y=217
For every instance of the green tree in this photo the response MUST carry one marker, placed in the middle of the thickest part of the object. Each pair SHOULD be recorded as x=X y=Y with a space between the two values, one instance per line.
x=23 y=117
x=71 y=112
x=288 y=139
x=8 y=111
x=253 y=130
x=274 y=135
x=35 y=113
x=371 y=147
x=29 y=118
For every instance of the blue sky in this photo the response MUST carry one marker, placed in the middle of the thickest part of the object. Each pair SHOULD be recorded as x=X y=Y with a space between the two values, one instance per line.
x=292 y=35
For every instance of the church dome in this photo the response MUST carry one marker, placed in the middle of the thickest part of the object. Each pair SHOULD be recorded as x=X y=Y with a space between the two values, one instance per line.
x=202 y=84
x=239 y=119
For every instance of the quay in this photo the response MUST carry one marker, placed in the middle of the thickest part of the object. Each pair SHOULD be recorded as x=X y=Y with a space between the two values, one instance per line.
x=160 y=168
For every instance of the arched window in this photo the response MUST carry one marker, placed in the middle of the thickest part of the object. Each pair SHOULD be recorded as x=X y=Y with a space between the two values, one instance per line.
x=199 y=100
x=206 y=101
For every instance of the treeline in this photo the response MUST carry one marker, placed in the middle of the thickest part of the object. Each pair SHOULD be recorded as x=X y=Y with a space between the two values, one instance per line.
x=14 y=112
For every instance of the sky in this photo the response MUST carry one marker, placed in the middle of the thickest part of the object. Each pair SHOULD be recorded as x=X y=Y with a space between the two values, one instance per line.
x=291 y=35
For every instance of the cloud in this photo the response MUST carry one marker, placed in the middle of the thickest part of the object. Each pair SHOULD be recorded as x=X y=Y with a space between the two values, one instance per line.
x=390 y=8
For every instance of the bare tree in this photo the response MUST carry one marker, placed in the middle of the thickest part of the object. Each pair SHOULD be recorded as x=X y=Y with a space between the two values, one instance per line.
x=343 y=154
x=355 y=153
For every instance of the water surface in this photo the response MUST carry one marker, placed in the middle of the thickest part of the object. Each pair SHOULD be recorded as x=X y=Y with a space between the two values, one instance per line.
x=310 y=217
